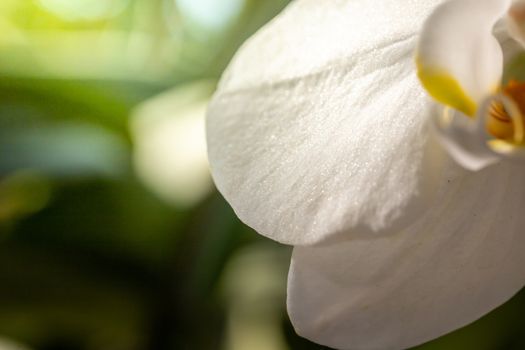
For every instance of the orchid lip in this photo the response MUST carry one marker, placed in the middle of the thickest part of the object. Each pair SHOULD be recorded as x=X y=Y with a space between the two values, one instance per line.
x=497 y=129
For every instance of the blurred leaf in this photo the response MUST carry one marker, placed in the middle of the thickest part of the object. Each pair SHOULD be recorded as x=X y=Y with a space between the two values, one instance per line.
x=21 y=194
x=255 y=288
x=45 y=297
x=34 y=102
x=111 y=220
x=63 y=150
x=72 y=10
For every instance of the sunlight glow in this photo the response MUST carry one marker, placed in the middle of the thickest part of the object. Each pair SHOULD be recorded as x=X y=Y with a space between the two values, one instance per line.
x=213 y=14
x=89 y=10
x=170 y=144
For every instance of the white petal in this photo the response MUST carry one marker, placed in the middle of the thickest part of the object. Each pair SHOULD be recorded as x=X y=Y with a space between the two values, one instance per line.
x=320 y=124
x=516 y=21
x=459 y=261
x=460 y=61
x=467 y=149
x=509 y=46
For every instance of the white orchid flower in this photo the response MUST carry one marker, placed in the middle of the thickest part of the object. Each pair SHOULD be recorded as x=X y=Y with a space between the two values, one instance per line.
x=321 y=136
x=461 y=65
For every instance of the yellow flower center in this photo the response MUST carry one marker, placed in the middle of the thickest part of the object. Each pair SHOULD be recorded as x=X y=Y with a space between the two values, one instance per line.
x=500 y=124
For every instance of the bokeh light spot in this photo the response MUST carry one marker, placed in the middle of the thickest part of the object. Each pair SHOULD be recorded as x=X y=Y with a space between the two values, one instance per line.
x=170 y=144
x=212 y=14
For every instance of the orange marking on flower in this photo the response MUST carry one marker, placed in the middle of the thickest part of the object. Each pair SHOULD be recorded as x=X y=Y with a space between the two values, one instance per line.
x=517 y=12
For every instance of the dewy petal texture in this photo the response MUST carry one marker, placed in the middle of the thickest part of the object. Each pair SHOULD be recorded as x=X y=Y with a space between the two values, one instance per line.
x=320 y=126
x=459 y=60
x=447 y=269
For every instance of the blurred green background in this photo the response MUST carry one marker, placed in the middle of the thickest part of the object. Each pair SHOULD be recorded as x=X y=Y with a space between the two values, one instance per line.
x=111 y=234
